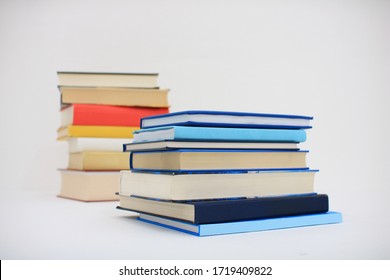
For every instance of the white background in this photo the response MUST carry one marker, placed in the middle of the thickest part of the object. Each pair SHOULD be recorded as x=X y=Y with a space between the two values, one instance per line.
x=327 y=59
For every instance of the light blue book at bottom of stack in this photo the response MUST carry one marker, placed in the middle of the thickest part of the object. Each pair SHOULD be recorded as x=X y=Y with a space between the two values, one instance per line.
x=244 y=226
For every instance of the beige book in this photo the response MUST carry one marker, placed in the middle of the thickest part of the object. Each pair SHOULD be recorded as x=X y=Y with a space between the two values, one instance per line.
x=89 y=185
x=114 y=96
x=99 y=161
x=217 y=185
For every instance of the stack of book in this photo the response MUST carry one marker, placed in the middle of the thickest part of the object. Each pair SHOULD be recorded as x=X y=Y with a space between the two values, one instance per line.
x=99 y=112
x=210 y=172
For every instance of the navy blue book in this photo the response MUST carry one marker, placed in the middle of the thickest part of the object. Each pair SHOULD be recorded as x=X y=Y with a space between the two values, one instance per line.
x=202 y=160
x=227 y=119
x=228 y=210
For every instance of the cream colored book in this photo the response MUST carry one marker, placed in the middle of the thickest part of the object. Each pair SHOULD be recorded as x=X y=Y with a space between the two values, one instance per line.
x=105 y=79
x=89 y=185
x=96 y=144
x=171 y=186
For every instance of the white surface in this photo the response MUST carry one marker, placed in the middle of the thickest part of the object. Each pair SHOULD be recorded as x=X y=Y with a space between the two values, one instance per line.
x=328 y=59
x=38 y=225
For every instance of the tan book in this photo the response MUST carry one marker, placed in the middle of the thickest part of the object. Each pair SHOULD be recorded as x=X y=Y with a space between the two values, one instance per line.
x=99 y=161
x=120 y=96
x=89 y=185
x=205 y=160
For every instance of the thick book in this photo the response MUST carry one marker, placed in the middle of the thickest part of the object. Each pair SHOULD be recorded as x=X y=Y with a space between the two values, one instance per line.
x=192 y=160
x=228 y=210
x=190 y=133
x=227 y=119
x=89 y=185
x=106 y=115
x=65 y=132
x=98 y=161
x=170 y=145
x=96 y=144
x=120 y=96
x=244 y=226
x=105 y=79
x=170 y=186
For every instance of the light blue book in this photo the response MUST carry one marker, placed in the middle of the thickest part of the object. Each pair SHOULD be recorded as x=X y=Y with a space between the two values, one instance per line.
x=244 y=226
x=188 y=133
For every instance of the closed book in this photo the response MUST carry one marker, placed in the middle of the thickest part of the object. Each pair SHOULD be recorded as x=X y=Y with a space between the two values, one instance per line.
x=98 y=161
x=228 y=210
x=227 y=119
x=96 y=144
x=106 y=79
x=121 y=96
x=244 y=226
x=106 y=115
x=169 y=186
x=89 y=185
x=191 y=160
x=169 y=145
x=189 y=133
x=64 y=133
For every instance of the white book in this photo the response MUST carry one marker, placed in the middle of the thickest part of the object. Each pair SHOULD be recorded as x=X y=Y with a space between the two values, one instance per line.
x=92 y=144
x=166 y=145
x=171 y=186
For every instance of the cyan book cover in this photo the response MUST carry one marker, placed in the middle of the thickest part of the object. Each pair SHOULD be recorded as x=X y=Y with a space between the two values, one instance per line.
x=219 y=134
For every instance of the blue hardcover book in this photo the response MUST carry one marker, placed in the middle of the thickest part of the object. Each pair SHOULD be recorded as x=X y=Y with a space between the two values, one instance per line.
x=228 y=210
x=203 y=160
x=190 y=133
x=244 y=226
x=227 y=119
x=171 y=145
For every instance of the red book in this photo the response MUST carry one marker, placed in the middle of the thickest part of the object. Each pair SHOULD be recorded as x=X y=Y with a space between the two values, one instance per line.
x=106 y=115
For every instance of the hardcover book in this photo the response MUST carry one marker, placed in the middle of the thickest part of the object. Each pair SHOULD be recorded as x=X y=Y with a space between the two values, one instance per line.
x=119 y=96
x=188 y=133
x=106 y=115
x=64 y=133
x=169 y=186
x=228 y=210
x=89 y=185
x=99 y=161
x=191 y=160
x=244 y=226
x=227 y=119
x=96 y=144
x=169 y=145
x=101 y=79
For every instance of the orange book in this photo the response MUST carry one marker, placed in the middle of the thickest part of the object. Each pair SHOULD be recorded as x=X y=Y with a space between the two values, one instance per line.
x=106 y=115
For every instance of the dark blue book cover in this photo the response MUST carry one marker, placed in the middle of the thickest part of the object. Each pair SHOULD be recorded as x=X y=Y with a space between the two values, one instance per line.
x=229 y=210
x=227 y=119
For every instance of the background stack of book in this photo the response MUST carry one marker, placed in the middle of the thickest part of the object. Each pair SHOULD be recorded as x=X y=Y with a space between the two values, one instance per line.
x=207 y=173
x=99 y=112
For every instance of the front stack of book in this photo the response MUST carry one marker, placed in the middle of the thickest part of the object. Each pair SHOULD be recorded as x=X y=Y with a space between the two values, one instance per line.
x=99 y=112
x=211 y=172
